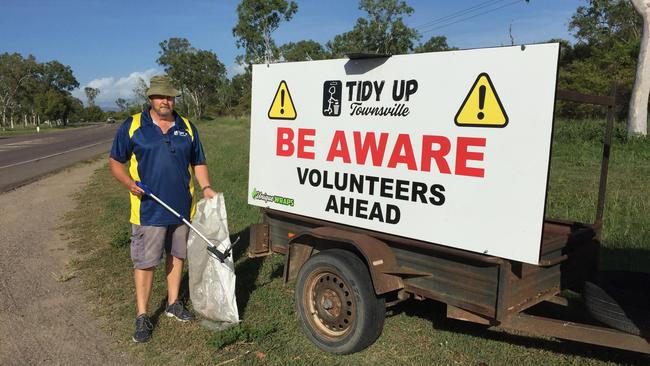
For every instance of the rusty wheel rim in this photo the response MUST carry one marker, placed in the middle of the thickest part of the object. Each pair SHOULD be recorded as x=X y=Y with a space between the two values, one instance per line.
x=330 y=304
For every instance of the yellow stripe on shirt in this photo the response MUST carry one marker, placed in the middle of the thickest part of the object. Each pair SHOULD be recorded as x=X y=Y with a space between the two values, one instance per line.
x=189 y=127
x=193 y=207
x=133 y=171
x=191 y=170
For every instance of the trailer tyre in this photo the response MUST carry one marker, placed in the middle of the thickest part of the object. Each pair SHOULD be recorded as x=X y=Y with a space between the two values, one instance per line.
x=621 y=300
x=337 y=304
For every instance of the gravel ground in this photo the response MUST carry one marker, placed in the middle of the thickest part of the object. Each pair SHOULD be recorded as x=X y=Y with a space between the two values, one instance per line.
x=44 y=317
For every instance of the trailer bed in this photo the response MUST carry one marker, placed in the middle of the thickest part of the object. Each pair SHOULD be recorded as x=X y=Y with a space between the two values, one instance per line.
x=488 y=286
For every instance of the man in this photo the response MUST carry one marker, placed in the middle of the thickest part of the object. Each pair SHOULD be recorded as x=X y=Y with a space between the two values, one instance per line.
x=164 y=152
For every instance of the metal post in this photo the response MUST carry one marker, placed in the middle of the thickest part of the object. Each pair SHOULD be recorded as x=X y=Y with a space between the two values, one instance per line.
x=604 y=167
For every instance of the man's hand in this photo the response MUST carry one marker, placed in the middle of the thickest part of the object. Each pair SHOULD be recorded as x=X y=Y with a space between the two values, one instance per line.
x=202 y=178
x=119 y=172
x=209 y=193
x=134 y=189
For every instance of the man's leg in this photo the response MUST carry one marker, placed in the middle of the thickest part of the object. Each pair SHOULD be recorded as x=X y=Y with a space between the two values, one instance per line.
x=174 y=276
x=147 y=247
x=143 y=282
x=176 y=247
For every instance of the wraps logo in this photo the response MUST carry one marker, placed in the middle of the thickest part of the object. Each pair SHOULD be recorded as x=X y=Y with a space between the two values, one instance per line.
x=261 y=196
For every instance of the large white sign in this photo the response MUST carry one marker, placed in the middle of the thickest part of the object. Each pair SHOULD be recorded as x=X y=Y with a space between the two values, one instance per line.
x=450 y=148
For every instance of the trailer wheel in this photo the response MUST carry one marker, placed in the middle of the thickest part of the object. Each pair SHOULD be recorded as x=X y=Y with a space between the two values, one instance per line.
x=337 y=304
x=621 y=300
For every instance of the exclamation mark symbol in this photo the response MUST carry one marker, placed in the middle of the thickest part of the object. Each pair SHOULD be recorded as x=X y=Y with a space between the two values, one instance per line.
x=481 y=101
x=282 y=101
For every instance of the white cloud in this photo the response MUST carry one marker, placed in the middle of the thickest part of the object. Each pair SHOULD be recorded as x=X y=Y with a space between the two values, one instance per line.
x=111 y=88
x=236 y=69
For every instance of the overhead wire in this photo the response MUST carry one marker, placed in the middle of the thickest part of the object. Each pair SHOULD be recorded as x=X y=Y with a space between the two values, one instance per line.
x=471 y=17
x=459 y=13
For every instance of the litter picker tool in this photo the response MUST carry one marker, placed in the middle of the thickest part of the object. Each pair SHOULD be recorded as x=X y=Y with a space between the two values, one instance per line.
x=211 y=247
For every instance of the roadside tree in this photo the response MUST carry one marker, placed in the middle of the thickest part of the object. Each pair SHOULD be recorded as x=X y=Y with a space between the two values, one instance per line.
x=638 y=114
x=608 y=37
x=93 y=114
x=198 y=73
x=302 y=51
x=257 y=20
x=122 y=104
x=15 y=72
x=53 y=106
x=241 y=87
x=33 y=90
x=382 y=31
x=434 y=44
x=54 y=101
x=57 y=76
x=91 y=94
x=140 y=92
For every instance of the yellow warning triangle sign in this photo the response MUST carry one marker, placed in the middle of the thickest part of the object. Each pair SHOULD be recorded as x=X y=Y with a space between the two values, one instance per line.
x=482 y=106
x=282 y=106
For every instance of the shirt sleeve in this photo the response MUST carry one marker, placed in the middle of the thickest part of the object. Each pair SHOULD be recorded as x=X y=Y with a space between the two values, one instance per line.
x=198 y=156
x=121 y=149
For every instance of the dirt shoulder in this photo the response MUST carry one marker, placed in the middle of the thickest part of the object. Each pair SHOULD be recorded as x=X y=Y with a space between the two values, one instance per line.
x=44 y=318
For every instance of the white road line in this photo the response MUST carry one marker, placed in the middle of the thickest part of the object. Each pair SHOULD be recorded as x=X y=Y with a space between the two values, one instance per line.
x=18 y=145
x=53 y=155
x=26 y=143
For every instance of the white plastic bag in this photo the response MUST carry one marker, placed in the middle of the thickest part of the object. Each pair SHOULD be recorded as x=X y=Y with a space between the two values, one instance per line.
x=212 y=283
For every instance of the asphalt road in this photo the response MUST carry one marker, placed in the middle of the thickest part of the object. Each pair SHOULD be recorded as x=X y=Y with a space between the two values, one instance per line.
x=23 y=159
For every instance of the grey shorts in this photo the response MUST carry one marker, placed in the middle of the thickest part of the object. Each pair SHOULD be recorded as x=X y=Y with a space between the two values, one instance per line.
x=149 y=242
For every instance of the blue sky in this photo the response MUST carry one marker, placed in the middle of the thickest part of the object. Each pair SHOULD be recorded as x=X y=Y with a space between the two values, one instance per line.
x=109 y=43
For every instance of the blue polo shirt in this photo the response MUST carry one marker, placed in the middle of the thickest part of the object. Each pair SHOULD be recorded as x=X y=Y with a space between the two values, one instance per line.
x=161 y=161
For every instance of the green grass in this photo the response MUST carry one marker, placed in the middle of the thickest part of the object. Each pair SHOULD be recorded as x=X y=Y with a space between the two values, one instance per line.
x=414 y=332
x=573 y=189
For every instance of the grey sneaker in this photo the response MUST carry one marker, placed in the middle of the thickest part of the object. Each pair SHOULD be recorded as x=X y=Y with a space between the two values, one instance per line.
x=143 y=328
x=177 y=310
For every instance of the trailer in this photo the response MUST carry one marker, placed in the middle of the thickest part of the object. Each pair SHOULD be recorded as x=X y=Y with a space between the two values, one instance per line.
x=349 y=266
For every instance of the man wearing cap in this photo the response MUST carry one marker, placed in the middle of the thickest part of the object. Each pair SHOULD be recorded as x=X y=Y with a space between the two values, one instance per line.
x=164 y=152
